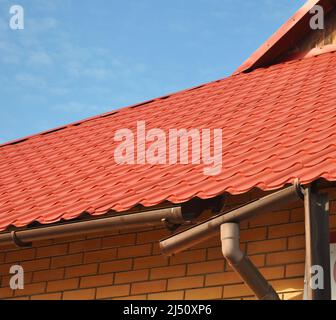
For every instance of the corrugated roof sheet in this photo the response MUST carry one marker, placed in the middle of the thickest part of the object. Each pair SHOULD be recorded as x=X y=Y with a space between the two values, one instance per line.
x=279 y=123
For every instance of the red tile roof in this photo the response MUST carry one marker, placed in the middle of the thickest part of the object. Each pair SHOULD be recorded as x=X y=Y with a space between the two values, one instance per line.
x=279 y=123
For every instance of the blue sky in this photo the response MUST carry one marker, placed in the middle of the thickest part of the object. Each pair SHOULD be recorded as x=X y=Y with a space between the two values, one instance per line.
x=77 y=58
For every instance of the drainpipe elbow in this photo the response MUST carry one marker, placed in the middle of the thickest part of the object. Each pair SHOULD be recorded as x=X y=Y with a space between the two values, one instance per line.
x=242 y=265
x=231 y=243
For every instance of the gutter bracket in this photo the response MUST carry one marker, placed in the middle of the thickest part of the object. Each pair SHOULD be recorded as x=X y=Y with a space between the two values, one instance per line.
x=299 y=190
x=18 y=242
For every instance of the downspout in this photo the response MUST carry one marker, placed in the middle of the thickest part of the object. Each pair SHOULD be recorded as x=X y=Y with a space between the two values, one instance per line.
x=237 y=259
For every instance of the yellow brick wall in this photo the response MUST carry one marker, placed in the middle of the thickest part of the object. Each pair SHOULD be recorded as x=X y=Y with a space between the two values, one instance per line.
x=130 y=266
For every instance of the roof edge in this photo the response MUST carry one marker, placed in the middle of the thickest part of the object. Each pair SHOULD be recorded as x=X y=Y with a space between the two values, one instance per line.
x=281 y=41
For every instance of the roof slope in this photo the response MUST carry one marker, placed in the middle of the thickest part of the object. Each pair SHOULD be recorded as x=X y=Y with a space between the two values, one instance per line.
x=279 y=123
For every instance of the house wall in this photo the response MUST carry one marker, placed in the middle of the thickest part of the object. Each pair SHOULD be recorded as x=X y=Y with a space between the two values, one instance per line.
x=129 y=265
x=319 y=38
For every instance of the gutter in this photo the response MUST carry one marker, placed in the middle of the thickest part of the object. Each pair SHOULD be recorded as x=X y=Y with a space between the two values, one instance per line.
x=211 y=227
x=228 y=226
x=171 y=218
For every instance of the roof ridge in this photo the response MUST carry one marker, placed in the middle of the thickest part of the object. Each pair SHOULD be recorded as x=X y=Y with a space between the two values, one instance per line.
x=132 y=106
x=106 y=114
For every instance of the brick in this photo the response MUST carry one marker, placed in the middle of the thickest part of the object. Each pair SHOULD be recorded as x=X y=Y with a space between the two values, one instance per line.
x=222 y=278
x=250 y=298
x=258 y=260
x=266 y=246
x=135 y=251
x=272 y=273
x=288 y=285
x=6 y=293
x=36 y=265
x=115 y=266
x=204 y=294
x=156 y=250
x=297 y=215
x=62 y=285
x=212 y=242
x=52 y=251
x=4 y=269
x=295 y=270
x=87 y=294
x=332 y=221
x=5 y=280
x=66 y=261
x=152 y=236
x=168 y=296
x=150 y=262
x=148 y=287
x=50 y=296
x=82 y=270
x=131 y=276
x=217 y=254
x=206 y=267
x=113 y=291
x=285 y=257
x=294 y=205
x=8 y=248
x=238 y=290
x=168 y=272
x=48 y=275
x=214 y=253
x=119 y=241
x=19 y=298
x=286 y=230
x=97 y=281
x=331 y=193
x=272 y=218
x=297 y=242
x=293 y=296
x=100 y=256
x=86 y=245
x=20 y=255
x=185 y=283
x=43 y=243
x=69 y=239
x=333 y=206
x=31 y=289
x=189 y=257
x=253 y=234
x=128 y=298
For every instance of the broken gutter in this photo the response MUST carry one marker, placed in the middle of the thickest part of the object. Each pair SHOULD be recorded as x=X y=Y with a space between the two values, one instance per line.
x=211 y=227
x=228 y=226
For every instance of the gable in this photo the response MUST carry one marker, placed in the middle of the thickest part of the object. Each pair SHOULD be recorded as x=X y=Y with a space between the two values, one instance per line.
x=294 y=36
